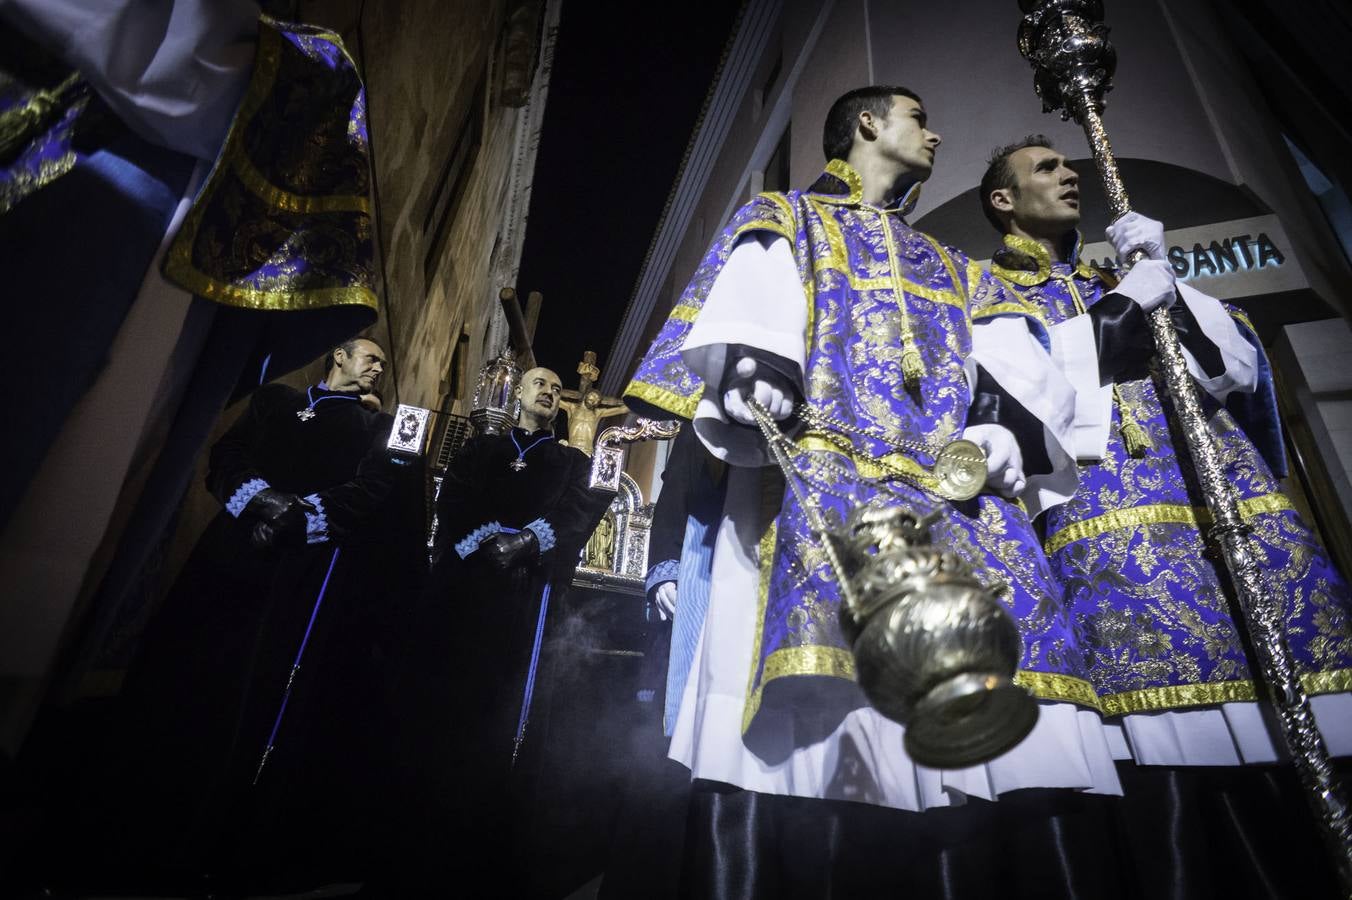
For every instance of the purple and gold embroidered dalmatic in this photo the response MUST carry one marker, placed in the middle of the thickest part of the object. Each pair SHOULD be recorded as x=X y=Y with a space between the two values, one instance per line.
x=284 y=221
x=1146 y=595
x=877 y=290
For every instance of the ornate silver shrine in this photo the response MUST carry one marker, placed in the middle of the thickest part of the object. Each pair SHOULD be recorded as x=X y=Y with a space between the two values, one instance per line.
x=618 y=560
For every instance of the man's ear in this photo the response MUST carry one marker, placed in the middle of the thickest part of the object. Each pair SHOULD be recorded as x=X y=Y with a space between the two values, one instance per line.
x=868 y=125
x=1002 y=200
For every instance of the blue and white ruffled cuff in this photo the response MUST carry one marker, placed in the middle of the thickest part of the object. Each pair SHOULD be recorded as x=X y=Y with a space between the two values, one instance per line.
x=316 y=523
x=470 y=542
x=664 y=571
x=243 y=494
x=544 y=534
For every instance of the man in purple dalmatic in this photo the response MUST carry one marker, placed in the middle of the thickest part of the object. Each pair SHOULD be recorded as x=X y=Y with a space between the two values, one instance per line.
x=1162 y=647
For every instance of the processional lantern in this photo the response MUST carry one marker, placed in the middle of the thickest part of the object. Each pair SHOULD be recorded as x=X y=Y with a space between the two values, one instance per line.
x=1066 y=42
x=496 y=404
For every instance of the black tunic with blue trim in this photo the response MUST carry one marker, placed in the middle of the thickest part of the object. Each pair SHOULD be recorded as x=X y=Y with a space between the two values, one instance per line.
x=469 y=655
x=203 y=695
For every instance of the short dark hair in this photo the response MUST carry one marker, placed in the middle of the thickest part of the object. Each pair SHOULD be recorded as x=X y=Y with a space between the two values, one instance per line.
x=349 y=347
x=843 y=119
x=1000 y=174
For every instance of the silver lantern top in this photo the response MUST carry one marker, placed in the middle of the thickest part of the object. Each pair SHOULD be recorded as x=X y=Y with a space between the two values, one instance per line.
x=496 y=405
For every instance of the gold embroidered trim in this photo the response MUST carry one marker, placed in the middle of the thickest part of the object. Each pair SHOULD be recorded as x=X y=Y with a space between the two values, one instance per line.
x=294 y=203
x=838 y=662
x=198 y=283
x=1053 y=686
x=14 y=191
x=664 y=399
x=837 y=261
x=974 y=274
x=934 y=295
x=1039 y=254
x=846 y=173
x=1333 y=682
x=784 y=205
x=178 y=265
x=765 y=225
x=1178 y=695
x=684 y=313
x=948 y=260
x=1243 y=319
x=764 y=562
x=1211 y=694
x=808 y=660
x=1011 y=307
x=837 y=258
x=1159 y=514
x=1016 y=276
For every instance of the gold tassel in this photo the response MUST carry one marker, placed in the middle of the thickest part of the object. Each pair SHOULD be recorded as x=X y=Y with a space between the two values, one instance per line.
x=1134 y=437
x=912 y=367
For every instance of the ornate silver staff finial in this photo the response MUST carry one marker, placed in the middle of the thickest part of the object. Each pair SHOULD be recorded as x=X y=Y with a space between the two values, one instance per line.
x=1067 y=44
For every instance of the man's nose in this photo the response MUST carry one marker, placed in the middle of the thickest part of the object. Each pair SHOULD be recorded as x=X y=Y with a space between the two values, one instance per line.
x=935 y=139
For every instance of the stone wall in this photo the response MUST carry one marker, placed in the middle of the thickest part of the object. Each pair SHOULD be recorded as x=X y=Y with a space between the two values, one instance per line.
x=433 y=72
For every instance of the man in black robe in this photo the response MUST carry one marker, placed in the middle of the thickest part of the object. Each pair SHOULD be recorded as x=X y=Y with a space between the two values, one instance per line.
x=513 y=514
x=249 y=711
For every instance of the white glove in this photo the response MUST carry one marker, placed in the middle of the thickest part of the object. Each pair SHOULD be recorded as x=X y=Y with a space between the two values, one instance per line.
x=1150 y=283
x=1004 y=460
x=1134 y=231
x=762 y=383
x=664 y=598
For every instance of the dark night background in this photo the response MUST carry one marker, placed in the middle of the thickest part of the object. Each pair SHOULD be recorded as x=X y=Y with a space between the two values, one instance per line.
x=626 y=91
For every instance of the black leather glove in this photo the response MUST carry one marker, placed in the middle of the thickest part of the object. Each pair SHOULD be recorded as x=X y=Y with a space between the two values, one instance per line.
x=507 y=551
x=270 y=504
x=281 y=519
x=284 y=533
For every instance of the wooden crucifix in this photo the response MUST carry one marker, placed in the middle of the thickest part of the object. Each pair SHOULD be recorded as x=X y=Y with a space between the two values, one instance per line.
x=586 y=406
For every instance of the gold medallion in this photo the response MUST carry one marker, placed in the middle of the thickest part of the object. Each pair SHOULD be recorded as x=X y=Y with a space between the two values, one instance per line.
x=960 y=470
